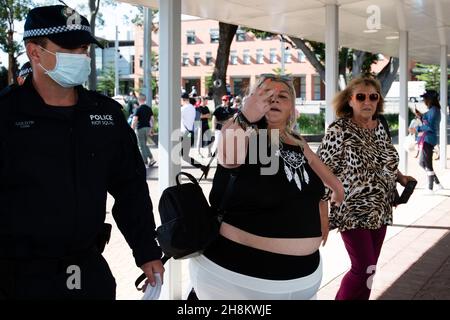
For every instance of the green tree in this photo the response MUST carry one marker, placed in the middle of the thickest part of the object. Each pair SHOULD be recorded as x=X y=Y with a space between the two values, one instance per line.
x=95 y=19
x=350 y=60
x=138 y=20
x=10 y=12
x=106 y=81
x=429 y=73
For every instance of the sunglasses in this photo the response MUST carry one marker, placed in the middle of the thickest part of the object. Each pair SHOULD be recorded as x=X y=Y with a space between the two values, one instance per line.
x=362 y=97
x=278 y=77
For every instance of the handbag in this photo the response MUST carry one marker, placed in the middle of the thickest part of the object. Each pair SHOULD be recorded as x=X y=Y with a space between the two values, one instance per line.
x=188 y=223
x=410 y=143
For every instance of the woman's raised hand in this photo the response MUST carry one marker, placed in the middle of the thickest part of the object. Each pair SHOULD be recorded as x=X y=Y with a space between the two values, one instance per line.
x=257 y=104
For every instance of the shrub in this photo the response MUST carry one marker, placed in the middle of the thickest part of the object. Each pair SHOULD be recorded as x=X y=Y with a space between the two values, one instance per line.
x=312 y=123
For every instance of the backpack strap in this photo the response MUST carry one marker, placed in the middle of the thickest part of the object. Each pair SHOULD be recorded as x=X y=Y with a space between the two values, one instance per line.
x=385 y=125
x=208 y=166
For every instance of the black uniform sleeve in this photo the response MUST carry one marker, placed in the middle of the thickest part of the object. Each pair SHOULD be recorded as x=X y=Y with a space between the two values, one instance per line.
x=133 y=210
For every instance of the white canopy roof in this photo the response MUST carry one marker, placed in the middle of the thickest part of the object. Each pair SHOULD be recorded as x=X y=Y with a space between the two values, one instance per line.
x=370 y=25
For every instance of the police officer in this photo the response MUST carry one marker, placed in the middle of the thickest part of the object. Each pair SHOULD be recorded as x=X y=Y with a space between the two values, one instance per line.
x=62 y=148
x=23 y=73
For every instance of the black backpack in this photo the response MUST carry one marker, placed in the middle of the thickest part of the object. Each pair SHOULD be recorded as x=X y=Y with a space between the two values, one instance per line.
x=188 y=223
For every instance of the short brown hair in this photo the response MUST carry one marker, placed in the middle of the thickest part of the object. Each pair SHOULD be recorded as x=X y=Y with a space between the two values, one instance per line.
x=340 y=101
x=40 y=41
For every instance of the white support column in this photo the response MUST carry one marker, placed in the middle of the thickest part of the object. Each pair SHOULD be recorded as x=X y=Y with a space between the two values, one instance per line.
x=116 y=63
x=147 y=90
x=331 y=60
x=403 y=103
x=283 y=51
x=443 y=125
x=169 y=116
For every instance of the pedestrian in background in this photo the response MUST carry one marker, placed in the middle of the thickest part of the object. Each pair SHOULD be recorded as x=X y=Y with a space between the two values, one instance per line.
x=429 y=130
x=142 y=120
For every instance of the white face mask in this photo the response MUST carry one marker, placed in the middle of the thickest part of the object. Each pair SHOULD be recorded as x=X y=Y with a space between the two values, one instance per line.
x=71 y=69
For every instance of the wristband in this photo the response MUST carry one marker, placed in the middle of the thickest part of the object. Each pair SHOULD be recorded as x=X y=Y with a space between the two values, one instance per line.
x=243 y=122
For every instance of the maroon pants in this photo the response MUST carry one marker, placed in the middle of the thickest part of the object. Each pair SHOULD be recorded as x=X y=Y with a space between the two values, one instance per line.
x=363 y=247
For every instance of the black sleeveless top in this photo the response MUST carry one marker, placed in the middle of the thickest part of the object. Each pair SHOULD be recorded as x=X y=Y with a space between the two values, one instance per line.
x=281 y=205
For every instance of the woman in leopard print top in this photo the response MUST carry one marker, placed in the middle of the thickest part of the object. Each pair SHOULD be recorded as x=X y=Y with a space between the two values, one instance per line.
x=360 y=153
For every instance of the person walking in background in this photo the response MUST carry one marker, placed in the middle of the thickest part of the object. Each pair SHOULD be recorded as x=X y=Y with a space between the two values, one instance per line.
x=142 y=120
x=188 y=114
x=360 y=153
x=52 y=229
x=131 y=101
x=268 y=247
x=417 y=121
x=205 y=115
x=220 y=116
x=23 y=73
x=237 y=102
x=193 y=92
x=429 y=130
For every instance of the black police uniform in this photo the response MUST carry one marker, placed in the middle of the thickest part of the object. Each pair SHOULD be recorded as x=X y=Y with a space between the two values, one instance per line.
x=55 y=172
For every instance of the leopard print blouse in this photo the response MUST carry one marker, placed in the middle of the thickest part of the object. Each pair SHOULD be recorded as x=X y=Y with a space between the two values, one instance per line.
x=366 y=162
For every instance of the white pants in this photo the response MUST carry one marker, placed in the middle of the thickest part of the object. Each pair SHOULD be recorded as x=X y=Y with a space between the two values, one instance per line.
x=212 y=282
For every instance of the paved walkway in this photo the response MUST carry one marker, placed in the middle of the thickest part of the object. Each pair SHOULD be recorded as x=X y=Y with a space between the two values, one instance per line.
x=414 y=262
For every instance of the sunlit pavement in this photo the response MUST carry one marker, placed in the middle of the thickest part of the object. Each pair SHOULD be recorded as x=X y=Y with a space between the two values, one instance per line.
x=414 y=262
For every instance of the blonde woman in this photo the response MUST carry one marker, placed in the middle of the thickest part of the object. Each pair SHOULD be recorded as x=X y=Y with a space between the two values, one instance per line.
x=270 y=236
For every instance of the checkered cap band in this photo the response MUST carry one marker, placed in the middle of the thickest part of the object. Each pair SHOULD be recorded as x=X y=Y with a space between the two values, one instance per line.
x=24 y=72
x=53 y=30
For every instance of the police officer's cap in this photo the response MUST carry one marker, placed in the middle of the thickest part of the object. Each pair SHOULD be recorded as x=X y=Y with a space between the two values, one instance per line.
x=25 y=70
x=61 y=24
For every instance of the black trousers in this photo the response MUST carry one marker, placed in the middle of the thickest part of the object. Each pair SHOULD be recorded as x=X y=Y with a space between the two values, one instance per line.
x=85 y=276
x=426 y=162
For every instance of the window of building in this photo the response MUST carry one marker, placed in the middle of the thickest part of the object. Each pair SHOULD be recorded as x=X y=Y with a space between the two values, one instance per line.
x=233 y=57
x=240 y=35
x=141 y=62
x=273 y=55
x=197 y=59
x=303 y=87
x=190 y=35
x=208 y=58
x=287 y=56
x=317 y=88
x=185 y=61
x=300 y=87
x=301 y=56
x=259 y=56
x=214 y=34
x=132 y=63
x=246 y=57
